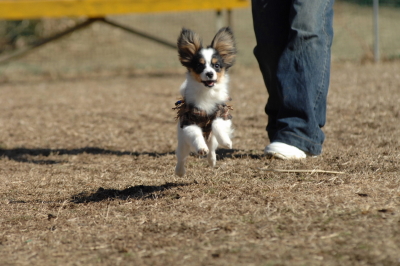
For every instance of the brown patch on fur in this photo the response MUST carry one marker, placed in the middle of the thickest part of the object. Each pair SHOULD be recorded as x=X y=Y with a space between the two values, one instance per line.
x=189 y=43
x=202 y=61
x=195 y=75
x=214 y=60
x=224 y=43
x=220 y=75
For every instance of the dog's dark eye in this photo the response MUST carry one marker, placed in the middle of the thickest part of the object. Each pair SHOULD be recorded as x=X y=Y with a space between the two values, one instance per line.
x=216 y=65
x=199 y=67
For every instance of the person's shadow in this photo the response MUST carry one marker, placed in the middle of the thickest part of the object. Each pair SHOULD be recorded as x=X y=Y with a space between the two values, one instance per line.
x=28 y=155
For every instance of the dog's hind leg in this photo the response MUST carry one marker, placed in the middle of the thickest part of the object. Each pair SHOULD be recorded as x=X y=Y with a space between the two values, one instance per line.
x=212 y=146
x=182 y=152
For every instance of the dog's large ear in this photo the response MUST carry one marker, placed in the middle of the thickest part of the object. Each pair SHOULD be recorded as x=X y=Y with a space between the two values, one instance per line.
x=224 y=43
x=189 y=43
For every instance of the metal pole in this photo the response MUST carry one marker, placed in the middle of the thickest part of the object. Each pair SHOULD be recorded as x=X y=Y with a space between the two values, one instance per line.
x=376 y=31
x=139 y=33
x=230 y=20
x=41 y=42
x=219 y=23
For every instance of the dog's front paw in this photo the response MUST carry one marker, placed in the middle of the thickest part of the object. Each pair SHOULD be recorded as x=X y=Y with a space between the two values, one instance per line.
x=180 y=170
x=202 y=151
x=226 y=144
x=212 y=159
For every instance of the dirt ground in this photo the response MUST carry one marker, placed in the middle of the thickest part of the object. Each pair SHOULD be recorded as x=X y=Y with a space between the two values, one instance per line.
x=86 y=173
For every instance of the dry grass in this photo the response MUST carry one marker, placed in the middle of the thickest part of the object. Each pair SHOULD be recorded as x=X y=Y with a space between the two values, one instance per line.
x=86 y=169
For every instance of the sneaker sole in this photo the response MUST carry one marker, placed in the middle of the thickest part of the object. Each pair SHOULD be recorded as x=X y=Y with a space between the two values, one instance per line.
x=277 y=155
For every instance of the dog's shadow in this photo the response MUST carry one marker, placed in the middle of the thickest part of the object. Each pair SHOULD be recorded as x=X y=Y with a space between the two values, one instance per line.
x=237 y=154
x=140 y=192
x=28 y=155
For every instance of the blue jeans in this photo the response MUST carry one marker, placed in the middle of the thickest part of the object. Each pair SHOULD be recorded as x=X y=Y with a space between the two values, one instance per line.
x=294 y=39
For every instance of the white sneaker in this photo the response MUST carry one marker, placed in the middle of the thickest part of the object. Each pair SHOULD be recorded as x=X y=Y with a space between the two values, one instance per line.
x=284 y=151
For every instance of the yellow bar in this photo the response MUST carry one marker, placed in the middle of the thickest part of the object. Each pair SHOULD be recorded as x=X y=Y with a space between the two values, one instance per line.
x=29 y=9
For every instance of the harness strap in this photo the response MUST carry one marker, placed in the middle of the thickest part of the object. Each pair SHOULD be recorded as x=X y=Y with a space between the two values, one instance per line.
x=191 y=115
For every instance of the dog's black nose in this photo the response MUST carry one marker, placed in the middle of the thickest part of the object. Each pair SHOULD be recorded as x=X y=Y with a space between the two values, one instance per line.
x=209 y=75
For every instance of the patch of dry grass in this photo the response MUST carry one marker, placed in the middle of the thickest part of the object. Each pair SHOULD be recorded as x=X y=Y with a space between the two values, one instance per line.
x=87 y=177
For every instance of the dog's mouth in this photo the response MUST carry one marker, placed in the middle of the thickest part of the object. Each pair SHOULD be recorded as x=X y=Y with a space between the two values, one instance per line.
x=209 y=83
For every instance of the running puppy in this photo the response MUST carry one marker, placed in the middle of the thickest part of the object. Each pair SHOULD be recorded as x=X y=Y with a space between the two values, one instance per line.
x=204 y=119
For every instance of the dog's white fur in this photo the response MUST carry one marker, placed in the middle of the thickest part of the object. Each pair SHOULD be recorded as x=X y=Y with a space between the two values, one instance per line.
x=190 y=138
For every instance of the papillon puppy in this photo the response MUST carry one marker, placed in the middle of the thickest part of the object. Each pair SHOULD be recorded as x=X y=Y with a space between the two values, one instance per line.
x=204 y=119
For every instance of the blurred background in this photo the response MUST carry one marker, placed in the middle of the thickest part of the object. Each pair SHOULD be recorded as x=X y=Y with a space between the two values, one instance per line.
x=104 y=50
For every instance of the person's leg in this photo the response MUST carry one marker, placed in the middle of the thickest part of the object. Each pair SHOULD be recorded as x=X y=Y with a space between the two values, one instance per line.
x=271 y=27
x=297 y=102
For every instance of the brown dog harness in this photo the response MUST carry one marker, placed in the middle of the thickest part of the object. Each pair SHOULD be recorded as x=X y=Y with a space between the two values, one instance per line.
x=191 y=115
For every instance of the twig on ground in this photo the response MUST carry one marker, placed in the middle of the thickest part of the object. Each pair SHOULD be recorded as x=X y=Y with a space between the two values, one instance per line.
x=59 y=210
x=108 y=209
x=213 y=229
x=301 y=171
